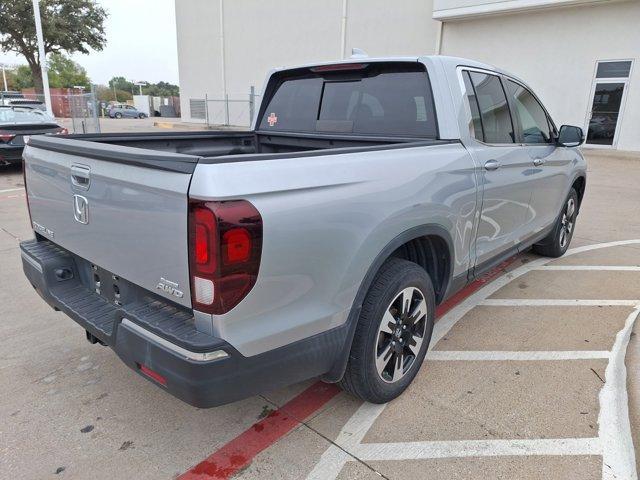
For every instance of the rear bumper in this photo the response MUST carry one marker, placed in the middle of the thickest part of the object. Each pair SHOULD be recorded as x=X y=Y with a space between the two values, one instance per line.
x=10 y=154
x=199 y=369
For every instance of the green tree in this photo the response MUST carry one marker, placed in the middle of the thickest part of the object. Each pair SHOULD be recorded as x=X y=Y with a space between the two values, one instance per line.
x=121 y=83
x=65 y=73
x=22 y=78
x=106 y=94
x=161 y=89
x=67 y=25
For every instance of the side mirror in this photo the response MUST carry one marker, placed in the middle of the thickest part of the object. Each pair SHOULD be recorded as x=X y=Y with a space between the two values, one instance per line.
x=570 y=136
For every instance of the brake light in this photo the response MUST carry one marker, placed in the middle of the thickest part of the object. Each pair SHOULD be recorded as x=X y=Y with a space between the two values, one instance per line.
x=225 y=246
x=62 y=131
x=6 y=137
x=339 y=67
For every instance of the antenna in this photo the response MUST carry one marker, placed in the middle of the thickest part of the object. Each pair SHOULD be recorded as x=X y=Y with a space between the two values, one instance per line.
x=358 y=53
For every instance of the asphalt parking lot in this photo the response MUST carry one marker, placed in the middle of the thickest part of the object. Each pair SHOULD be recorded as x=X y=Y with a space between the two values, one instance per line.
x=115 y=125
x=533 y=373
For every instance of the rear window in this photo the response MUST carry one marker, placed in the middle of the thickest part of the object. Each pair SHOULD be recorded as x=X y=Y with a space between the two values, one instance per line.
x=392 y=100
x=23 y=115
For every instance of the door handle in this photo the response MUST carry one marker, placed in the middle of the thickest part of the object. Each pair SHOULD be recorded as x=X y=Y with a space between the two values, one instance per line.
x=80 y=176
x=538 y=161
x=492 y=165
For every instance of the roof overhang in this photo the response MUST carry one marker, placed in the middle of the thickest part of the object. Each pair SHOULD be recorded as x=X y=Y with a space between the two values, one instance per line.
x=447 y=10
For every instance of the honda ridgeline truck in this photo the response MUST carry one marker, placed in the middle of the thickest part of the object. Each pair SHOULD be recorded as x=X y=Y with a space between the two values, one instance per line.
x=318 y=243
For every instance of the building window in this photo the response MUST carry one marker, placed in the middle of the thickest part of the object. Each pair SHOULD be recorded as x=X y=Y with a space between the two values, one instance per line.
x=614 y=69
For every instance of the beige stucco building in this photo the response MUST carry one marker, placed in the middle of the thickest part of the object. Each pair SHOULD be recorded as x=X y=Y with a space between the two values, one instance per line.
x=580 y=56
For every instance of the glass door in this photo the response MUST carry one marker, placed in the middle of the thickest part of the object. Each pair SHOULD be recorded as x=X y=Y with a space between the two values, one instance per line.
x=607 y=101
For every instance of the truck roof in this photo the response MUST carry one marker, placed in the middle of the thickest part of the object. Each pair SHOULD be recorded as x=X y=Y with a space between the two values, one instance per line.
x=445 y=60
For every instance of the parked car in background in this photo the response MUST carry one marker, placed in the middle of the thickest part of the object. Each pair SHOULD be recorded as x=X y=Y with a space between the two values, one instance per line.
x=125 y=111
x=27 y=102
x=220 y=265
x=7 y=96
x=18 y=122
x=17 y=98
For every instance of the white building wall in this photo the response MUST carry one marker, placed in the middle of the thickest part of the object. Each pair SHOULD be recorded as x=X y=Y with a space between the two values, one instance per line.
x=198 y=50
x=263 y=34
x=556 y=51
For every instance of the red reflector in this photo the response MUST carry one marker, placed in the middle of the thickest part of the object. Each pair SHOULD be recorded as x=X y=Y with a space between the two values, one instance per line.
x=236 y=244
x=153 y=375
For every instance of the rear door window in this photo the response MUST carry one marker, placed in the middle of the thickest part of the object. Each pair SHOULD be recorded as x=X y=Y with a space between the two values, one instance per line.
x=532 y=117
x=371 y=102
x=497 y=126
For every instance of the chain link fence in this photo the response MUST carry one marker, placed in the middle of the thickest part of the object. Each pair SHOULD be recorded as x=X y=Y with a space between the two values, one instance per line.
x=230 y=111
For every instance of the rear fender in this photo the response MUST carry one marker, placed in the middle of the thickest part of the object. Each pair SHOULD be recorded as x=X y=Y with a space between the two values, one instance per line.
x=339 y=366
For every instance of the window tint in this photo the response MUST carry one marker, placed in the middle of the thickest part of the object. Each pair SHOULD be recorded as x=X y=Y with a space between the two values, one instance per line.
x=494 y=110
x=294 y=106
x=373 y=103
x=473 y=106
x=533 y=119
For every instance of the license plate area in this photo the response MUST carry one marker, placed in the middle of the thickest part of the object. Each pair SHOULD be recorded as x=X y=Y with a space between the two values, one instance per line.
x=108 y=285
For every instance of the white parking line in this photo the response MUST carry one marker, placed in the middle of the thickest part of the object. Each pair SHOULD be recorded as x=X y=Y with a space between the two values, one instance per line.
x=490 y=356
x=11 y=190
x=478 y=448
x=334 y=458
x=614 y=440
x=526 y=302
x=608 y=268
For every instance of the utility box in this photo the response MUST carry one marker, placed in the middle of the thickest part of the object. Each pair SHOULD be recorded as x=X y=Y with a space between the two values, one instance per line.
x=143 y=104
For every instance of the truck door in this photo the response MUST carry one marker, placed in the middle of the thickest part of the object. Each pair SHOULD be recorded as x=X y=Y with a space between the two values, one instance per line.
x=550 y=165
x=503 y=164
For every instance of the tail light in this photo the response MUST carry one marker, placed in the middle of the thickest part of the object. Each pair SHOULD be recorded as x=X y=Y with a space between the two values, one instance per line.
x=225 y=245
x=62 y=131
x=6 y=137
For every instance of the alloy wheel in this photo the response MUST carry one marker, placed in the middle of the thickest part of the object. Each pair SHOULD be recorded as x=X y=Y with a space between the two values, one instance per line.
x=568 y=219
x=401 y=334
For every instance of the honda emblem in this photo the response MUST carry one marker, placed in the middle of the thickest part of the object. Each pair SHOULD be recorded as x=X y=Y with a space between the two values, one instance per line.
x=81 y=209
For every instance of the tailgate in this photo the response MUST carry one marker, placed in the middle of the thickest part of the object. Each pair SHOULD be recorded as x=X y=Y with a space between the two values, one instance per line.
x=123 y=209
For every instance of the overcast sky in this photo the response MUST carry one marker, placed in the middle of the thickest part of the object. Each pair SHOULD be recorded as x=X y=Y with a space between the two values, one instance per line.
x=141 y=43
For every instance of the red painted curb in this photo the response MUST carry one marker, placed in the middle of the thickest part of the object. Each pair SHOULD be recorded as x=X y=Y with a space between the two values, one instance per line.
x=239 y=452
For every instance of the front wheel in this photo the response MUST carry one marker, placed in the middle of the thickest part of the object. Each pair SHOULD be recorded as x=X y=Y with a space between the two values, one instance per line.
x=118 y=115
x=393 y=332
x=142 y=115
x=557 y=242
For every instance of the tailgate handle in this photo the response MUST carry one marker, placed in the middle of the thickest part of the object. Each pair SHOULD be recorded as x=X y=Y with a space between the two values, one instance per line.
x=80 y=176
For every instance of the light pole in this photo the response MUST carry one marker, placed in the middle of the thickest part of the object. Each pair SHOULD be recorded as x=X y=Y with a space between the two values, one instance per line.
x=4 y=78
x=42 y=57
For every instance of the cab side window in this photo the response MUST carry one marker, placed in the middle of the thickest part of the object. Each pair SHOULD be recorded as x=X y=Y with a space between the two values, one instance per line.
x=532 y=117
x=473 y=106
x=497 y=126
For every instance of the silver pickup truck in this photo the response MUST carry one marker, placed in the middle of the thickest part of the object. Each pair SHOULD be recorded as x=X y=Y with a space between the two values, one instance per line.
x=223 y=264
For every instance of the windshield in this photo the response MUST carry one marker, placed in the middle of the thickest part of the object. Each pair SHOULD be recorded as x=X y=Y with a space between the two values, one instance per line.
x=24 y=115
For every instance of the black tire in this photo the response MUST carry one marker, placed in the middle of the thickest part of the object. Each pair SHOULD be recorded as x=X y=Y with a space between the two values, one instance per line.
x=361 y=377
x=118 y=115
x=557 y=242
x=142 y=115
